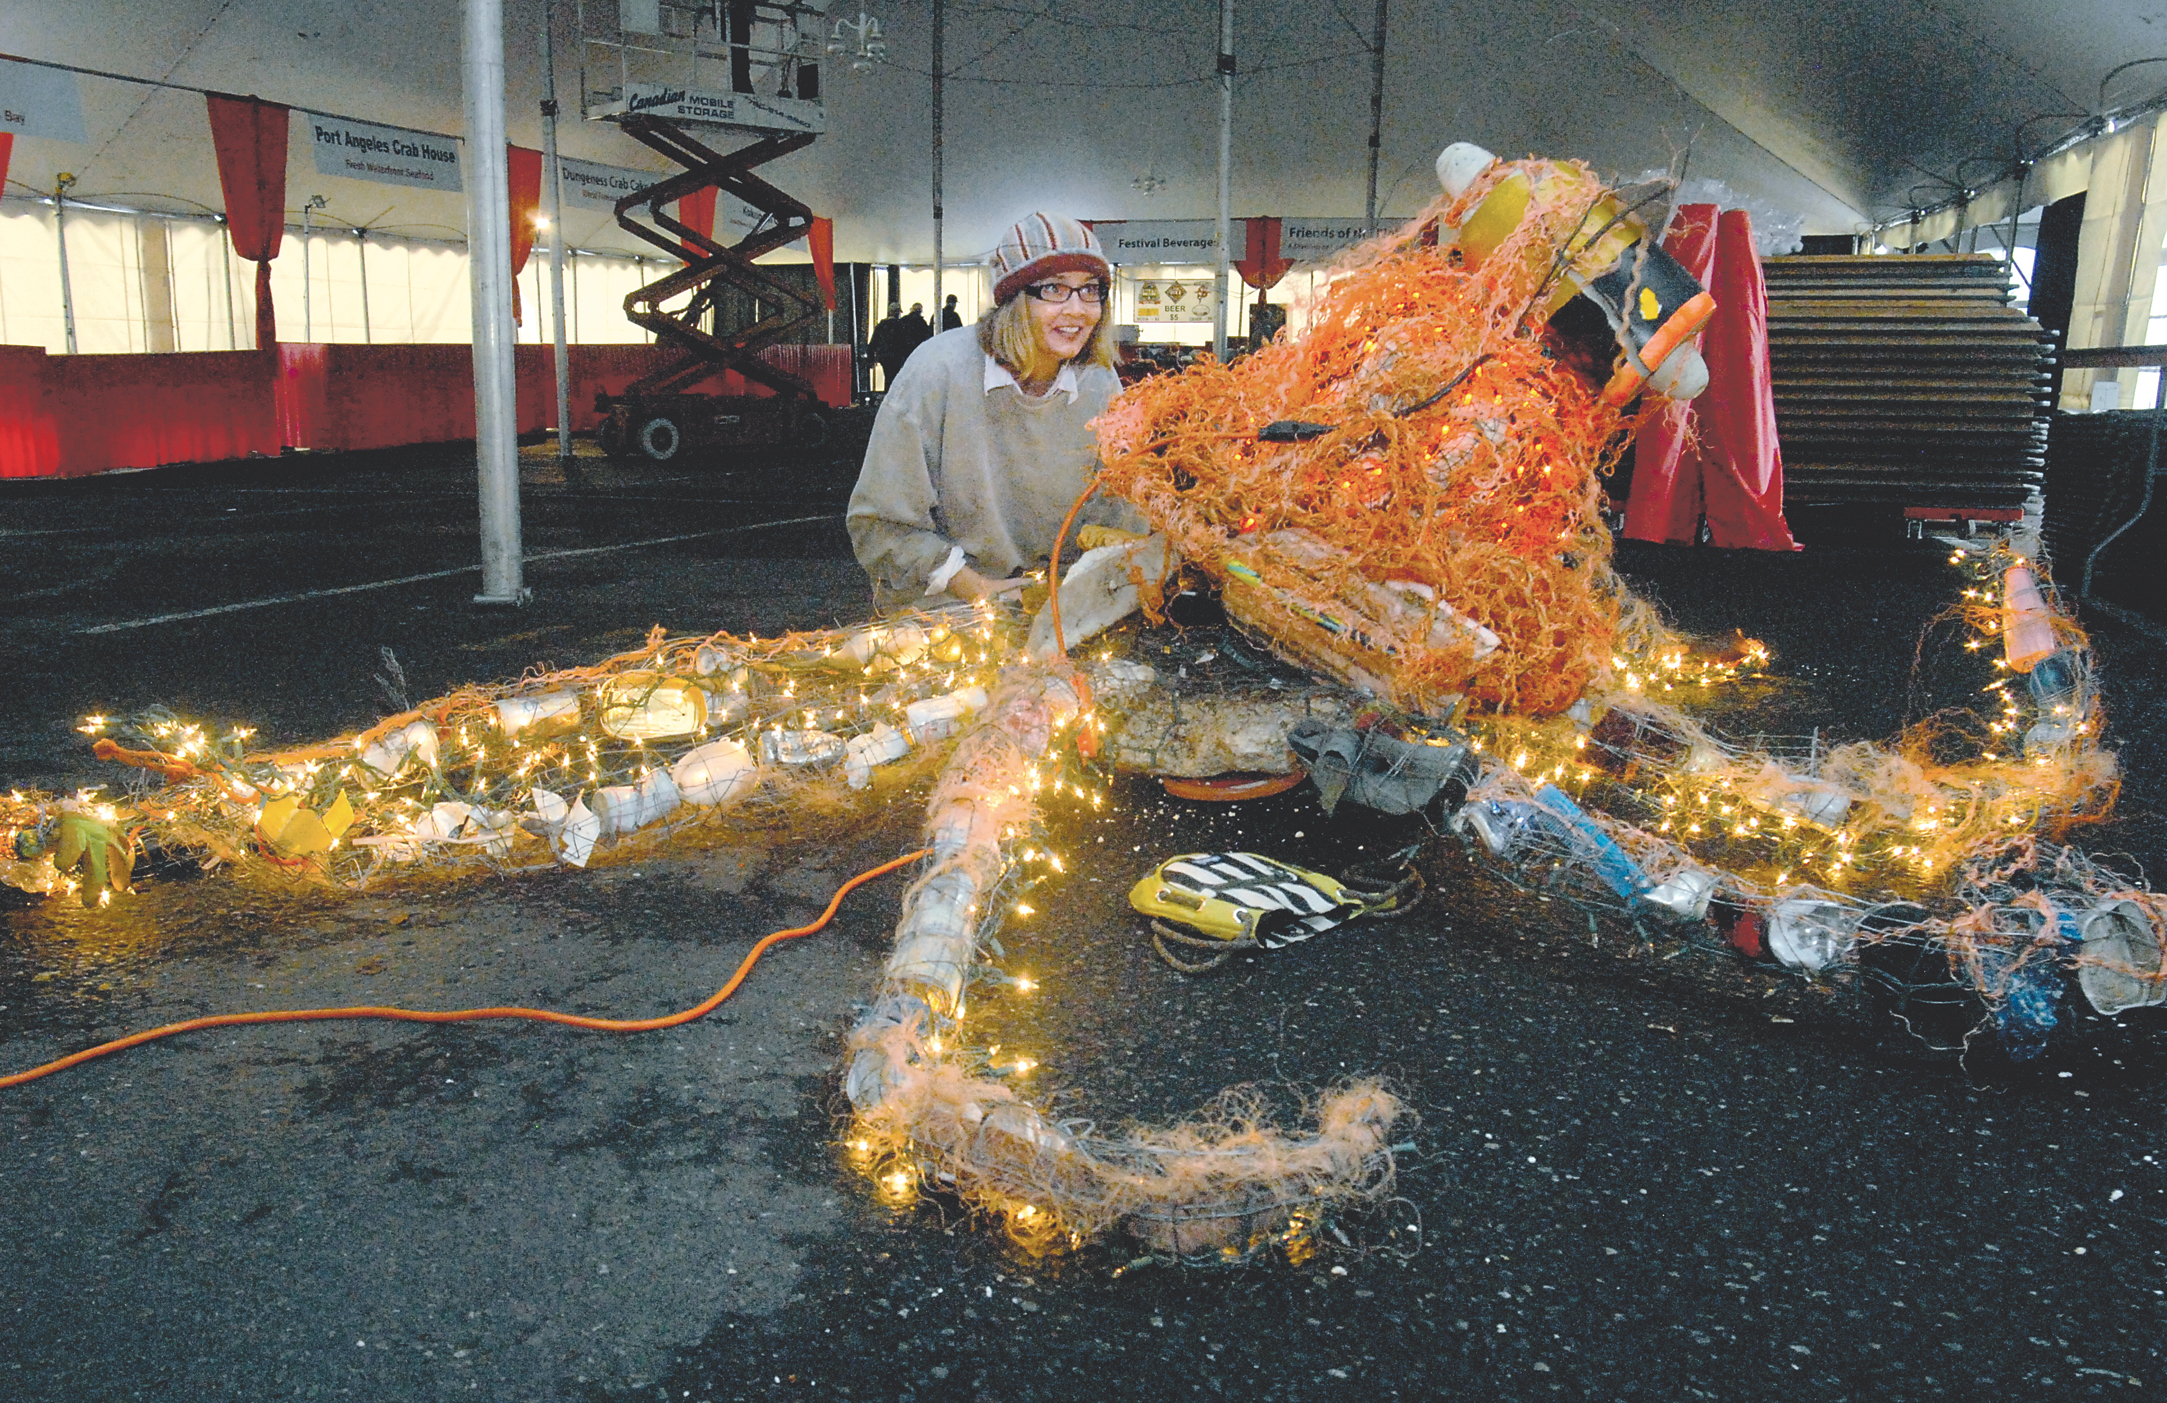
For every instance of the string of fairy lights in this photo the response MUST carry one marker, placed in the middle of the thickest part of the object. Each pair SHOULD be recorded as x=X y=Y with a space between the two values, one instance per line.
x=645 y=743
x=457 y=781
x=1626 y=804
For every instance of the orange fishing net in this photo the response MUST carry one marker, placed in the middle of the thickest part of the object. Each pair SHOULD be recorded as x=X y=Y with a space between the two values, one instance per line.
x=1451 y=480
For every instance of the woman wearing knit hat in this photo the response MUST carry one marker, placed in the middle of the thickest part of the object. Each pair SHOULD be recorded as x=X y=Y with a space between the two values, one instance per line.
x=984 y=440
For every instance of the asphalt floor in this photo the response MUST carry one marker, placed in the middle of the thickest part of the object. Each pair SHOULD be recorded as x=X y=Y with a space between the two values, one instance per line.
x=1633 y=1174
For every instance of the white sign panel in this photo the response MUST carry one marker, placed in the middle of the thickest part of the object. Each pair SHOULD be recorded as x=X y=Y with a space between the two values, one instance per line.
x=387 y=155
x=1316 y=240
x=772 y=114
x=1160 y=300
x=592 y=185
x=40 y=102
x=1188 y=241
x=598 y=186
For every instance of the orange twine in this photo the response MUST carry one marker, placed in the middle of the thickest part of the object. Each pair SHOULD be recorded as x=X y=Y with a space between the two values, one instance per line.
x=1488 y=495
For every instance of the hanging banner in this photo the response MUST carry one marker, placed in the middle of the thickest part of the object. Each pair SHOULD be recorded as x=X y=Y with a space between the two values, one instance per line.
x=42 y=102
x=760 y=112
x=1161 y=300
x=387 y=155
x=1184 y=241
x=1318 y=240
x=592 y=185
x=1261 y=266
x=595 y=186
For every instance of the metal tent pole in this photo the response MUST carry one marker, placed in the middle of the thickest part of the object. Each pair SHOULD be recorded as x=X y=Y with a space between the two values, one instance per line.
x=308 y=280
x=1376 y=114
x=368 y=329
x=60 y=236
x=308 y=327
x=225 y=254
x=489 y=252
x=554 y=174
x=940 y=34
x=1226 y=177
x=2016 y=210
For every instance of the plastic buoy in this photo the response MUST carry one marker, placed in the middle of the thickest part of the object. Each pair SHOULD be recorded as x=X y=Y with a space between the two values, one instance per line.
x=2027 y=628
x=1227 y=788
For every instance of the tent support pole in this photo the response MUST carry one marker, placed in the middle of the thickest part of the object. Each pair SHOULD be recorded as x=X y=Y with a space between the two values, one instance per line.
x=1376 y=114
x=1226 y=178
x=489 y=250
x=940 y=36
x=60 y=237
x=554 y=176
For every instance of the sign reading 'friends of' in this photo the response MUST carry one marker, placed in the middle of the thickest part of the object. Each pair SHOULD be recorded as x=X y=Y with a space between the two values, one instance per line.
x=387 y=155
x=1303 y=240
x=43 y=102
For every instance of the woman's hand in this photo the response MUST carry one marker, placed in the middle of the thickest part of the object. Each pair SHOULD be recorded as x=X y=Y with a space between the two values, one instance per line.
x=970 y=586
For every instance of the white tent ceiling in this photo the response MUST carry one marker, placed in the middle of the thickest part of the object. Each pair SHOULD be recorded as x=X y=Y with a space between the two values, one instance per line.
x=1844 y=111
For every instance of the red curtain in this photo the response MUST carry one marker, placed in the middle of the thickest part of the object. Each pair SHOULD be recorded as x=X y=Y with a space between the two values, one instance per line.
x=250 y=135
x=29 y=422
x=1744 y=501
x=524 y=172
x=820 y=241
x=1717 y=455
x=697 y=212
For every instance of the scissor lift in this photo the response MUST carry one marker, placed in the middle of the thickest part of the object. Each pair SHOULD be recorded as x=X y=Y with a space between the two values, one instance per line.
x=656 y=100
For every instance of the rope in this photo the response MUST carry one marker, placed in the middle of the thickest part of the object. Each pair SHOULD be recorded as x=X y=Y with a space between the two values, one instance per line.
x=471 y=1015
x=1053 y=568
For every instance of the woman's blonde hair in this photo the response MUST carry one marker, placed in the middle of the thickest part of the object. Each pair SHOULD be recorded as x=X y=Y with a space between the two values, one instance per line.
x=1006 y=334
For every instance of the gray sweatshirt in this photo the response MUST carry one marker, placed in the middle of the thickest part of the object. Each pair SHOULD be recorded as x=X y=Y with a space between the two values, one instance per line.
x=960 y=457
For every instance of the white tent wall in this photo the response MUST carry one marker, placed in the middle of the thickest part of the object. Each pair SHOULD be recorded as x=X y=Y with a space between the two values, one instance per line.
x=1850 y=112
x=426 y=290
x=2067 y=172
x=970 y=284
x=145 y=282
x=213 y=292
x=2118 y=256
x=106 y=276
x=595 y=288
x=30 y=310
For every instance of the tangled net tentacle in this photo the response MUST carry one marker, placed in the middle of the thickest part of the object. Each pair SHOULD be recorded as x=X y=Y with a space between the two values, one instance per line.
x=1454 y=469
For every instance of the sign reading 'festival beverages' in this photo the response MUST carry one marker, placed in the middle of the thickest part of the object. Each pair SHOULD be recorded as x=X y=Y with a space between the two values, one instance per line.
x=38 y=101
x=758 y=111
x=388 y=155
x=1186 y=242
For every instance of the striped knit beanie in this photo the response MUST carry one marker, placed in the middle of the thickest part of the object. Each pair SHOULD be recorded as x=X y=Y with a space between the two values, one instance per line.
x=1040 y=246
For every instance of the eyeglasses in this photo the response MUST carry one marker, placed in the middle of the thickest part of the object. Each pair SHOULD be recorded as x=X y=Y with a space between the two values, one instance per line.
x=1091 y=293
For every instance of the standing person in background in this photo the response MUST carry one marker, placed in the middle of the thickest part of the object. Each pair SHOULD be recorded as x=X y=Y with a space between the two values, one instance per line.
x=889 y=346
x=950 y=317
x=985 y=441
x=916 y=330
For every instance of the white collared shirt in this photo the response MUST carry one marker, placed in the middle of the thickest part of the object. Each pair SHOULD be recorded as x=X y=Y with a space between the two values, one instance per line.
x=998 y=375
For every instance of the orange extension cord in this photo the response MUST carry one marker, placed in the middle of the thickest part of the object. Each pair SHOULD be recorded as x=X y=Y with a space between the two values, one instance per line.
x=469 y=1015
